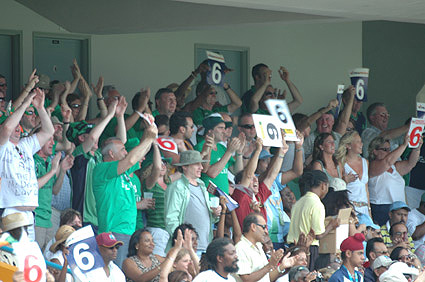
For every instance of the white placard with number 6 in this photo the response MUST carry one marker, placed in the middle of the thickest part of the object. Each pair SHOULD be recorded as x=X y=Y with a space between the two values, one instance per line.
x=415 y=132
x=279 y=109
x=30 y=261
x=268 y=129
x=84 y=256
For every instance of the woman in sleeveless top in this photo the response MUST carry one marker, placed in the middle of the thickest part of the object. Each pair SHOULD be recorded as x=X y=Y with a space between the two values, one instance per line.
x=323 y=156
x=386 y=182
x=140 y=261
x=355 y=170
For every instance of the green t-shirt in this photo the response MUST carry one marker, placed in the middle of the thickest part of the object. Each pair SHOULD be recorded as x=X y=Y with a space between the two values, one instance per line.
x=138 y=196
x=115 y=198
x=221 y=180
x=156 y=216
x=155 y=113
x=43 y=212
x=89 y=207
x=200 y=113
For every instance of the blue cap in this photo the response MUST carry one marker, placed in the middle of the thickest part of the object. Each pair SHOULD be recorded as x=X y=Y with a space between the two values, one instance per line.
x=366 y=220
x=399 y=205
x=264 y=155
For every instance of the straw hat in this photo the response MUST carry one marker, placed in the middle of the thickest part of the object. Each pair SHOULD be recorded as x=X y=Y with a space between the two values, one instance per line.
x=14 y=220
x=61 y=235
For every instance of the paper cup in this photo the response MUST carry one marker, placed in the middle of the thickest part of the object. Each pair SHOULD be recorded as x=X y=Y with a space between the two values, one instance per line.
x=148 y=195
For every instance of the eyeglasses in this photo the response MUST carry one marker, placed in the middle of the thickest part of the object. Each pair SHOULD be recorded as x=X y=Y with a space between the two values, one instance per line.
x=248 y=126
x=405 y=257
x=75 y=106
x=113 y=247
x=264 y=226
x=29 y=113
x=384 y=149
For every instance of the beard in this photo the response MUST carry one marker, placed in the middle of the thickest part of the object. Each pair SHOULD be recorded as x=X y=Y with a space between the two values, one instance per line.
x=232 y=268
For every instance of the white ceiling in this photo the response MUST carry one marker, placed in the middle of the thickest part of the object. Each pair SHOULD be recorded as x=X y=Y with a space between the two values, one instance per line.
x=135 y=16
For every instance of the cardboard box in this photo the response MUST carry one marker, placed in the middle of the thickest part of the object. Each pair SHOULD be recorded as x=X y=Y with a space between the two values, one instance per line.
x=332 y=241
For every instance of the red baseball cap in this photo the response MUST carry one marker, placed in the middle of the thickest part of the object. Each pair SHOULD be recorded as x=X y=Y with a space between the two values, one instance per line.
x=107 y=240
x=353 y=243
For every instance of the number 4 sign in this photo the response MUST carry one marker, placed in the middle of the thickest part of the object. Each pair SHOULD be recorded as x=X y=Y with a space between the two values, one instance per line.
x=30 y=261
x=415 y=132
x=215 y=75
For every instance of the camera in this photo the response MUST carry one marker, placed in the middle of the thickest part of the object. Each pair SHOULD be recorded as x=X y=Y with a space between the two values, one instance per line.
x=319 y=277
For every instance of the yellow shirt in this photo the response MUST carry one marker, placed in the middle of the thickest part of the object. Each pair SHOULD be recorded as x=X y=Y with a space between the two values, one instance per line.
x=307 y=214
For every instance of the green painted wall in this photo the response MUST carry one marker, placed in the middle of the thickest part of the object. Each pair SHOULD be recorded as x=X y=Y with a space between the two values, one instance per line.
x=395 y=54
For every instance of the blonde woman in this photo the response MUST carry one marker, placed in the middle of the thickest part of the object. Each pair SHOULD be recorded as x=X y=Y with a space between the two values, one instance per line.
x=356 y=170
x=386 y=182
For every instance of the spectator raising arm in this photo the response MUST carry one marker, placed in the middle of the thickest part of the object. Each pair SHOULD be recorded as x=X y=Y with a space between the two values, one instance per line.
x=32 y=81
x=95 y=133
x=236 y=102
x=100 y=100
x=254 y=104
x=297 y=99
x=139 y=152
x=47 y=129
x=344 y=117
x=181 y=90
x=139 y=108
x=298 y=165
x=121 y=132
x=251 y=166
x=273 y=169
x=10 y=126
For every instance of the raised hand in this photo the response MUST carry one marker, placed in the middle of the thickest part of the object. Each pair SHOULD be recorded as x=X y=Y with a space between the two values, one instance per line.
x=276 y=257
x=258 y=144
x=32 y=80
x=75 y=69
x=234 y=144
x=333 y=104
x=112 y=107
x=55 y=162
x=67 y=163
x=300 y=137
x=121 y=107
x=284 y=73
x=38 y=100
x=99 y=87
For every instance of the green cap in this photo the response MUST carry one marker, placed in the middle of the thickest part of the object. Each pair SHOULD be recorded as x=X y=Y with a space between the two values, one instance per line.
x=78 y=128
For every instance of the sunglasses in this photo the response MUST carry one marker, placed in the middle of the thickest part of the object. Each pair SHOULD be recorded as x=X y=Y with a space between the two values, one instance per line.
x=113 y=247
x=75 y=106
x=248 y=126
x=264 y=226
x=29 y=113
x=2 y=99
x=228 y=124
x=269 y=94
x=3 y=84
